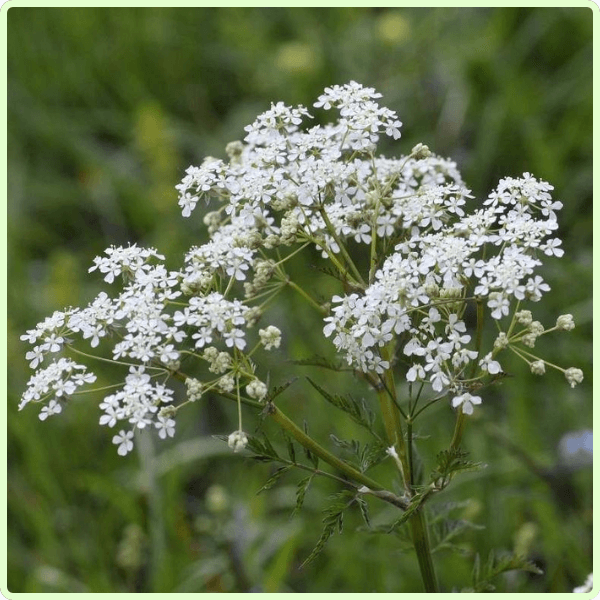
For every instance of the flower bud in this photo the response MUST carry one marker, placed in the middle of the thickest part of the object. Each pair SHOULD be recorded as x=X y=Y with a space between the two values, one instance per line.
x=501 y=341
x=270 y=337
x=574 y=376
x=538 y=367
x=194 y=390
x=565 y=322
x=432 y=289
x=421 y=151
x=536 y=328
x=237 y=440
x=256 y=389
x=524 y=317
x=167 y=411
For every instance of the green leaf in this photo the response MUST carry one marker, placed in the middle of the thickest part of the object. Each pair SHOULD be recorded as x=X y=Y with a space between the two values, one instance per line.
x=262 y=450
x=279 y=390
x=332 y=521
x=320 y=361
x=371 y=455
x=481 y=577
x=351 y=446
x=366 y=455
x=415 y=504
x=449 y=529
x=290 y=447
x=274 y=478
x=331 y=272
x=358 y=411
x=364 y=510
x=450 y=462
x=301 y=493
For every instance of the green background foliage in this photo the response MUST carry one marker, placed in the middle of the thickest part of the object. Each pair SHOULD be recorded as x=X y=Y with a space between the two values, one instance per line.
x=107 y=107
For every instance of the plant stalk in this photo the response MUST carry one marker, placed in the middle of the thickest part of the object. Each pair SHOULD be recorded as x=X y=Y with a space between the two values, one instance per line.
x=420 y=536
x=418 y=523
x=305 y=440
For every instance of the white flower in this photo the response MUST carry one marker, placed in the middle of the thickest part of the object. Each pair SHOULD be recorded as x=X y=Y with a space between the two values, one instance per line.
x=125 y=261
x=467 y=401
x=286 y=184
x=488 y=364
x=36 y=356
x=61 y=377
x=124 y=440
x=112 y=411
x=53 y=408
x=165 y=426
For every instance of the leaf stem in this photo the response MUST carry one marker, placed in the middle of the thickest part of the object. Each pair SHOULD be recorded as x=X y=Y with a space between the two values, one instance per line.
x=308 y=298
x=305 y=440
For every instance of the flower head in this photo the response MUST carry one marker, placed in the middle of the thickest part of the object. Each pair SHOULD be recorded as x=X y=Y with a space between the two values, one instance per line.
x=466 y=401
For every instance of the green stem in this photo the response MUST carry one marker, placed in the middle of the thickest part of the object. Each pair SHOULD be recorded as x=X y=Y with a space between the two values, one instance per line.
x=418 y=525
x=391 y=417
x=342 y=247
x=305 y=440
x=308 y=298
x=393 y=425
x=458 y=430
x=409 y=448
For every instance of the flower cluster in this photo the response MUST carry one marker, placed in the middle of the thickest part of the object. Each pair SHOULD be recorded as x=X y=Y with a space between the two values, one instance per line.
x=283 y=188
x=152 y=329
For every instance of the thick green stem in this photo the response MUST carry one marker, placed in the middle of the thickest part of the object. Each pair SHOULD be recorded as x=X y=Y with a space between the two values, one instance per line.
x=318 y=450
x=418 y=525
x=391 y=418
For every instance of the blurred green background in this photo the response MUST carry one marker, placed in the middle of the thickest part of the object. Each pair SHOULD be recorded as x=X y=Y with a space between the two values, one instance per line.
x=107 y=107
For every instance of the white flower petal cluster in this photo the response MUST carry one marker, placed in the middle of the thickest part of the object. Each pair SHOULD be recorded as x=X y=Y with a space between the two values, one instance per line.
x=123 y=261
x=59 y=380
x=270 y=337
x=149 y=331
x=447 y=254
x=284 y=184
x=277 y=181
x=214 y=316
x=466 y=402
x=137 y=403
